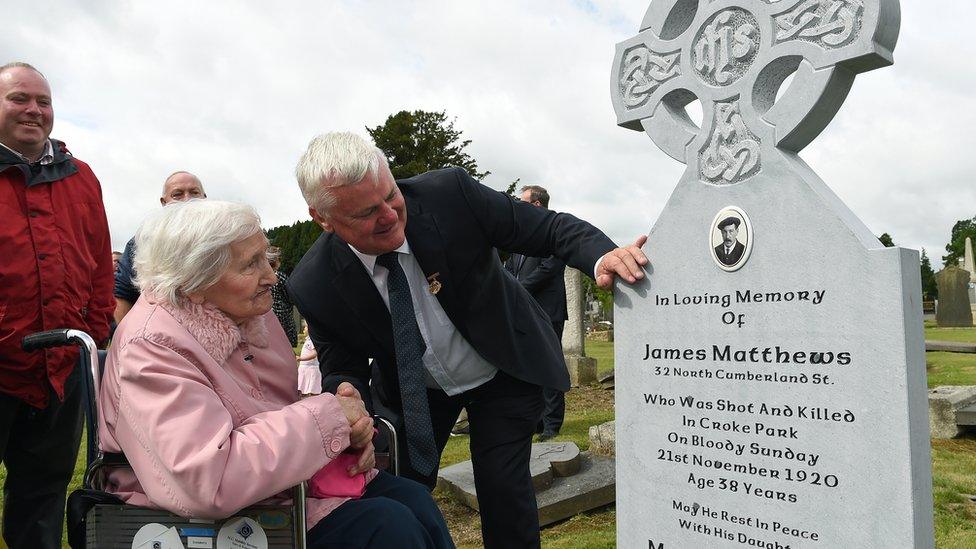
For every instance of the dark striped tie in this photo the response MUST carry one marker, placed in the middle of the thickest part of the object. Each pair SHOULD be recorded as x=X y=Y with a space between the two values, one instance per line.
x=409 y=346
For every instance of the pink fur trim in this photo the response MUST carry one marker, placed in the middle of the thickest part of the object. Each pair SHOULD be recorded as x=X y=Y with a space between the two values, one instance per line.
x=215 y=331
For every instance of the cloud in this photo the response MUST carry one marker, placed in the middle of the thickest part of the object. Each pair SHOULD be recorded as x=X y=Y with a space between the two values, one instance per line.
x=233 y=92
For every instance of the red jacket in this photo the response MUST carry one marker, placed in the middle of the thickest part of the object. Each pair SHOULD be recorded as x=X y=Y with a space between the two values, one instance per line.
x=55 y=268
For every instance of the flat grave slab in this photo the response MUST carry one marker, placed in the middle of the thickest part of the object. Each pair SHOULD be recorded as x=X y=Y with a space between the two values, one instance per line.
x=950 y=346
x=567 y=481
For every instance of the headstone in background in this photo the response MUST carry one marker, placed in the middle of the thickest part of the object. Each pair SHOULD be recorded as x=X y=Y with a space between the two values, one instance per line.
x=954 y=307
x=971 y=267
x=772 y=378
x=968 y=258
x=582 y=369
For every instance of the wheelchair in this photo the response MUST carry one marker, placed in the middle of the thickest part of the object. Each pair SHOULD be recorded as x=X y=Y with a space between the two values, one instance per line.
x=99 y=520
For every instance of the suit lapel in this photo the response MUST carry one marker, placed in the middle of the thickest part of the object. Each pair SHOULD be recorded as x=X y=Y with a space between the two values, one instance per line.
x=356 y=287
x=428 y=247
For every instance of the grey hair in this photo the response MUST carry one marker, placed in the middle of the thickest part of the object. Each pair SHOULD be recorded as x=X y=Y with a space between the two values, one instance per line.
x=21 y=64
x=184 y=247
x=332 y=160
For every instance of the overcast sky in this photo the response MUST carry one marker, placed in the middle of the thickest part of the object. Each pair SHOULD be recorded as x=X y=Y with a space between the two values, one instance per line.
x=233 y=91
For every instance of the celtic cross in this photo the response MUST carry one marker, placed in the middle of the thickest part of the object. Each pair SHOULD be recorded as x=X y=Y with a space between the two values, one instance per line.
x=733 y=56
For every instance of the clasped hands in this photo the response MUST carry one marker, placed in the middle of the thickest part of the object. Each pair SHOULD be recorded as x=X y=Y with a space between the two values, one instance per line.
x=360 y=425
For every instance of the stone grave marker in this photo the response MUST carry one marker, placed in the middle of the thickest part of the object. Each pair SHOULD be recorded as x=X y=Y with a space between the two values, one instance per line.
x=970 y=266
x=772 y=378
x=582 y=369
x=954 y=308
x=566 y=481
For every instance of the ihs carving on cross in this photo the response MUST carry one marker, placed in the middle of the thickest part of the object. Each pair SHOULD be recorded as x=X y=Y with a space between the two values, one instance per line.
x=733 y=56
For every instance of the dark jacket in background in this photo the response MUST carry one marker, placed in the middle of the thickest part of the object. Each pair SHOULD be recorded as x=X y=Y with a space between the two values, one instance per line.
x=544 y=279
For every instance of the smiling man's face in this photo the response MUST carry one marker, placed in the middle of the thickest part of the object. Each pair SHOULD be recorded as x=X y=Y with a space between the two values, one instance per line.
x=26 y=114
x=371 y=215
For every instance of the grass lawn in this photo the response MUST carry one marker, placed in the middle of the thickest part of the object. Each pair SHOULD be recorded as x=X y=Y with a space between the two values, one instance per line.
x=953 y=461
x=950 y=368
x=961 y=335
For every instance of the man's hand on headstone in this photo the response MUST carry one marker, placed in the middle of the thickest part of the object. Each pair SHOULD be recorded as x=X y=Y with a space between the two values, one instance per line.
x=623 y=262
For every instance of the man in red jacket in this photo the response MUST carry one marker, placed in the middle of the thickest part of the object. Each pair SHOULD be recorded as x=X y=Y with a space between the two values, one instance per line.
x=55 y=272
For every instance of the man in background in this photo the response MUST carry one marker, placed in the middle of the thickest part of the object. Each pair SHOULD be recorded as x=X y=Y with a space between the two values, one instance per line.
x=179 y=186
x=543 y=278
x=57 y=273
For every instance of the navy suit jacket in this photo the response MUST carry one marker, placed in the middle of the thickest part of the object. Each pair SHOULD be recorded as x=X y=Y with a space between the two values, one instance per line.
x=454 y=224
x=544 y=279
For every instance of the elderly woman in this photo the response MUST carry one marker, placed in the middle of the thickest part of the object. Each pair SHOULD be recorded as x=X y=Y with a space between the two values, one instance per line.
x=200 y=395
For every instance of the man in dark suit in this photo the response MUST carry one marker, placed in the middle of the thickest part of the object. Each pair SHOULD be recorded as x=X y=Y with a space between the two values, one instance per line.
x=406 y=274
x=543 y=279
x=730 y=250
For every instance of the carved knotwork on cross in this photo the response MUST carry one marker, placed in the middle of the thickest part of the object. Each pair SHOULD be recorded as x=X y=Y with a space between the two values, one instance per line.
x=734 y=56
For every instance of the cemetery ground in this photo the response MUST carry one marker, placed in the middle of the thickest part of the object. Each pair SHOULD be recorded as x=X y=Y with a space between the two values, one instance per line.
x=953 y=461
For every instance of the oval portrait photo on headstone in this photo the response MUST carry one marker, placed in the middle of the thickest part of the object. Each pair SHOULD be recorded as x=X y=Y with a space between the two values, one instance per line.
x=730 y=238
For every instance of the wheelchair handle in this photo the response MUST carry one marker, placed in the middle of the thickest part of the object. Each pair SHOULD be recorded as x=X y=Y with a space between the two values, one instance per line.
x=46 y=340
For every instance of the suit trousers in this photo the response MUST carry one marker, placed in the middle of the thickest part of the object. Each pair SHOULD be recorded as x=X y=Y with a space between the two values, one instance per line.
x=555 y=400
x=394 y=512
x=502 y=414
x=39 y=447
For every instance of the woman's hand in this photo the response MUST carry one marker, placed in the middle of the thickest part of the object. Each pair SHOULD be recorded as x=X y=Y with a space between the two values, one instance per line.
x=361 y=433
x=367 y=460
x=361 y=425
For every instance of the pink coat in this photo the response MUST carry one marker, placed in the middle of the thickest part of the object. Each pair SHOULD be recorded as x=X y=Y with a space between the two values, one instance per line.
x=207 y=432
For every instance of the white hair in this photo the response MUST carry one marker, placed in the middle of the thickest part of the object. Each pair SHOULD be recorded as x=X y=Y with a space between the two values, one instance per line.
x=184 y=247
x=333 y=160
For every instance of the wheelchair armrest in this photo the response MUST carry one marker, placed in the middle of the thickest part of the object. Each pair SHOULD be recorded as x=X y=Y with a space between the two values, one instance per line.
x=387 y=460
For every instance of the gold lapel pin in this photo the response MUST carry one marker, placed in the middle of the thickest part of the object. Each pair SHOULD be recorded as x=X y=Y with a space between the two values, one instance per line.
x=435 y=285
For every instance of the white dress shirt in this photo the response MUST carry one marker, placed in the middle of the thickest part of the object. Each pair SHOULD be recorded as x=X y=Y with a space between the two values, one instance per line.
x=453 y=365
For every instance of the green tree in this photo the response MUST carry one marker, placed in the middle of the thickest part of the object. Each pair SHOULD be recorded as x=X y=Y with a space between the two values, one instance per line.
x=930 y=290
x=419 y=141
x=957 y=240
x=885 y=239
x=512 y=187
x=294 y=240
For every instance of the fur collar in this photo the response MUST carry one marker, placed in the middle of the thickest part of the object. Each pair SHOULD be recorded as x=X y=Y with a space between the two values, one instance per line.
x=215 y=331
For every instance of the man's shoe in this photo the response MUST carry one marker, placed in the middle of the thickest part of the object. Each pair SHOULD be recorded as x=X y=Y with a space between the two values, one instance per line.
x=547 y=435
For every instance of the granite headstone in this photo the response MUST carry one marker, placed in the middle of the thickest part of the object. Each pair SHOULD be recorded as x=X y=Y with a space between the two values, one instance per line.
x=582 y=369
x=749 y=411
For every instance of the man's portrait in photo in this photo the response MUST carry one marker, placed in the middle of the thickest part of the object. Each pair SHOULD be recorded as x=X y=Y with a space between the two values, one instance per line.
x=729 y=239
